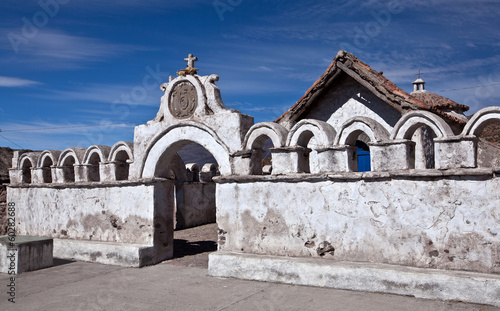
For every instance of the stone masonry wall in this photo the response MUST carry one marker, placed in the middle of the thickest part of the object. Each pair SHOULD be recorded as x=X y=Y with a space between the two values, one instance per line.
x=3 y=209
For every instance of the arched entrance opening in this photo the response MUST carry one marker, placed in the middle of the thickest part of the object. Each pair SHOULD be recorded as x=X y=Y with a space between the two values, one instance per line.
x=195 y=224
x=192 y=169
x=189 y=157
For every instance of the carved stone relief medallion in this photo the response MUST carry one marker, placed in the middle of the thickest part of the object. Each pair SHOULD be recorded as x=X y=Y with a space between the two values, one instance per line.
x=183 y=100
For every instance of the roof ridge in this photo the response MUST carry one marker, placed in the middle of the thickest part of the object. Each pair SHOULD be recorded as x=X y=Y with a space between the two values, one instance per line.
x=380 y=85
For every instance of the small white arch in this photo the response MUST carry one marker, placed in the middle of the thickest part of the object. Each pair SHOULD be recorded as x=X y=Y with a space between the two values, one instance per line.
x=121 y=155
x=480 y=119
x=94 y=156
x=177 y=136
x=47 y=159
x=101 y=151
x=351 y=129
x=76 y=153
x=53 y=155
x=260 y=132
x=67 y=161
x=122 y=146
x=411 y=121
x=304 y=130
x=27 y=162
x=32 y=157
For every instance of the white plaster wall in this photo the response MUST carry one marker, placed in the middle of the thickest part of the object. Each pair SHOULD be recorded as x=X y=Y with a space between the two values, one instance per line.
x=347 y=99
x=195 y=204
x=353 y=107
x=446 y=223
x=111 y=214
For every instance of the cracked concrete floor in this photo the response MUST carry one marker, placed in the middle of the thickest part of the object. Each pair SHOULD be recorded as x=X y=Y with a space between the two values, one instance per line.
x=183 y=284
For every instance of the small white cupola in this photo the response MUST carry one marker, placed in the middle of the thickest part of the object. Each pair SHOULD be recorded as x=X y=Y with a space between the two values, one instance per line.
x=419 y=84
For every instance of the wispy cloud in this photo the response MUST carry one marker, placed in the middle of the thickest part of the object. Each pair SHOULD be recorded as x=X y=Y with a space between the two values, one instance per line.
x=105 y=93
x=40 y=135
x=116 y=6
x=16 y=82
x=52 y=47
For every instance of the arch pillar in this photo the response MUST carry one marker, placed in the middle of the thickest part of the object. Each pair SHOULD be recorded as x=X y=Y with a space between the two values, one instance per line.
x=246 y=162
x=37 y=175
x=290 y=160
x=81 y=172
x=455 y=152
x=344 y=158
x=326 y=160
x=392 y=155
x=58 y=173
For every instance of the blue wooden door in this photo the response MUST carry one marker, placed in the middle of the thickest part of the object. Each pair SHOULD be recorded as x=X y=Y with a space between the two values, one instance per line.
x=363 y=156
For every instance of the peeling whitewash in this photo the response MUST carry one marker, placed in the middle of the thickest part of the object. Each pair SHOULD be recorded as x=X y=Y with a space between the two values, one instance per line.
x=420 y=222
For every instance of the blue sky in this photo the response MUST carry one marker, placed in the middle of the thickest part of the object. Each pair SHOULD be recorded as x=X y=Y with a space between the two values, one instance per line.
x=78 y=73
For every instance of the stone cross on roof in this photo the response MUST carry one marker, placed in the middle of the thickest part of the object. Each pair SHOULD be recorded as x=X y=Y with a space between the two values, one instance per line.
x=418 y=74
x=190 y=60
x=190 y=69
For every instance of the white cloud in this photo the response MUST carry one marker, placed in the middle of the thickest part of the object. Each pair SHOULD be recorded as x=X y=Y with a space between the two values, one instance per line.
x=63 y=46
x=55 y=48
x=41 y=135
x=133 y=95
x=16 y=82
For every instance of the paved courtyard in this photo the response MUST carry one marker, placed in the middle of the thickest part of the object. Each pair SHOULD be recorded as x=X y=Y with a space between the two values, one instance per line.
x=183 y=284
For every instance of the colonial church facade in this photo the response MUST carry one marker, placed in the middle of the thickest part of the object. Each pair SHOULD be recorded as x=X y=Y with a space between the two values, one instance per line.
x=370 y=188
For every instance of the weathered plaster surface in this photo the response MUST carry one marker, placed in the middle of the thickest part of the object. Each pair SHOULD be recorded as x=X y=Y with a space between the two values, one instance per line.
x=113 y=214
x=426 y=222
x=30 y=253
x=422 y=283
x=348 y=98
x=195 y=204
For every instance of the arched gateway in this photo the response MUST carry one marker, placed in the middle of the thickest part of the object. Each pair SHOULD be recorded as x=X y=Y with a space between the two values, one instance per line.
x=124 y=202
x=191 y=111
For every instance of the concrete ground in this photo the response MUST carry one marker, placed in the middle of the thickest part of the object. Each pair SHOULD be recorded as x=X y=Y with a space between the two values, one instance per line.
x=182 y=284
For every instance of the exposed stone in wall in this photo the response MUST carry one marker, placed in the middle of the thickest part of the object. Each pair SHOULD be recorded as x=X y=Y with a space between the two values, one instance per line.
x=491 y=133
x=5 y=163
x=3 y=218
x=3 y=207
x=488 y=154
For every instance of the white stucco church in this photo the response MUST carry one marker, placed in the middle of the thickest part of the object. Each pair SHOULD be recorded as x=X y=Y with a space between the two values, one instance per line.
x=371 y=188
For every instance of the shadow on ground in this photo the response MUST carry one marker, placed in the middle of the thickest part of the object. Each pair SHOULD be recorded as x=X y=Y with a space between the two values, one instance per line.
x=184 y=248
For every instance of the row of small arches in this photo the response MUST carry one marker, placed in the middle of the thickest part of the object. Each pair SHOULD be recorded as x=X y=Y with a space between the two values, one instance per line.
x=325 y=136
x=119 y=157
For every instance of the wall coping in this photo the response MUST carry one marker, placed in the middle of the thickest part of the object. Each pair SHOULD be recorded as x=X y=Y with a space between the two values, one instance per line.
x=95 y=184
x=355 y=176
